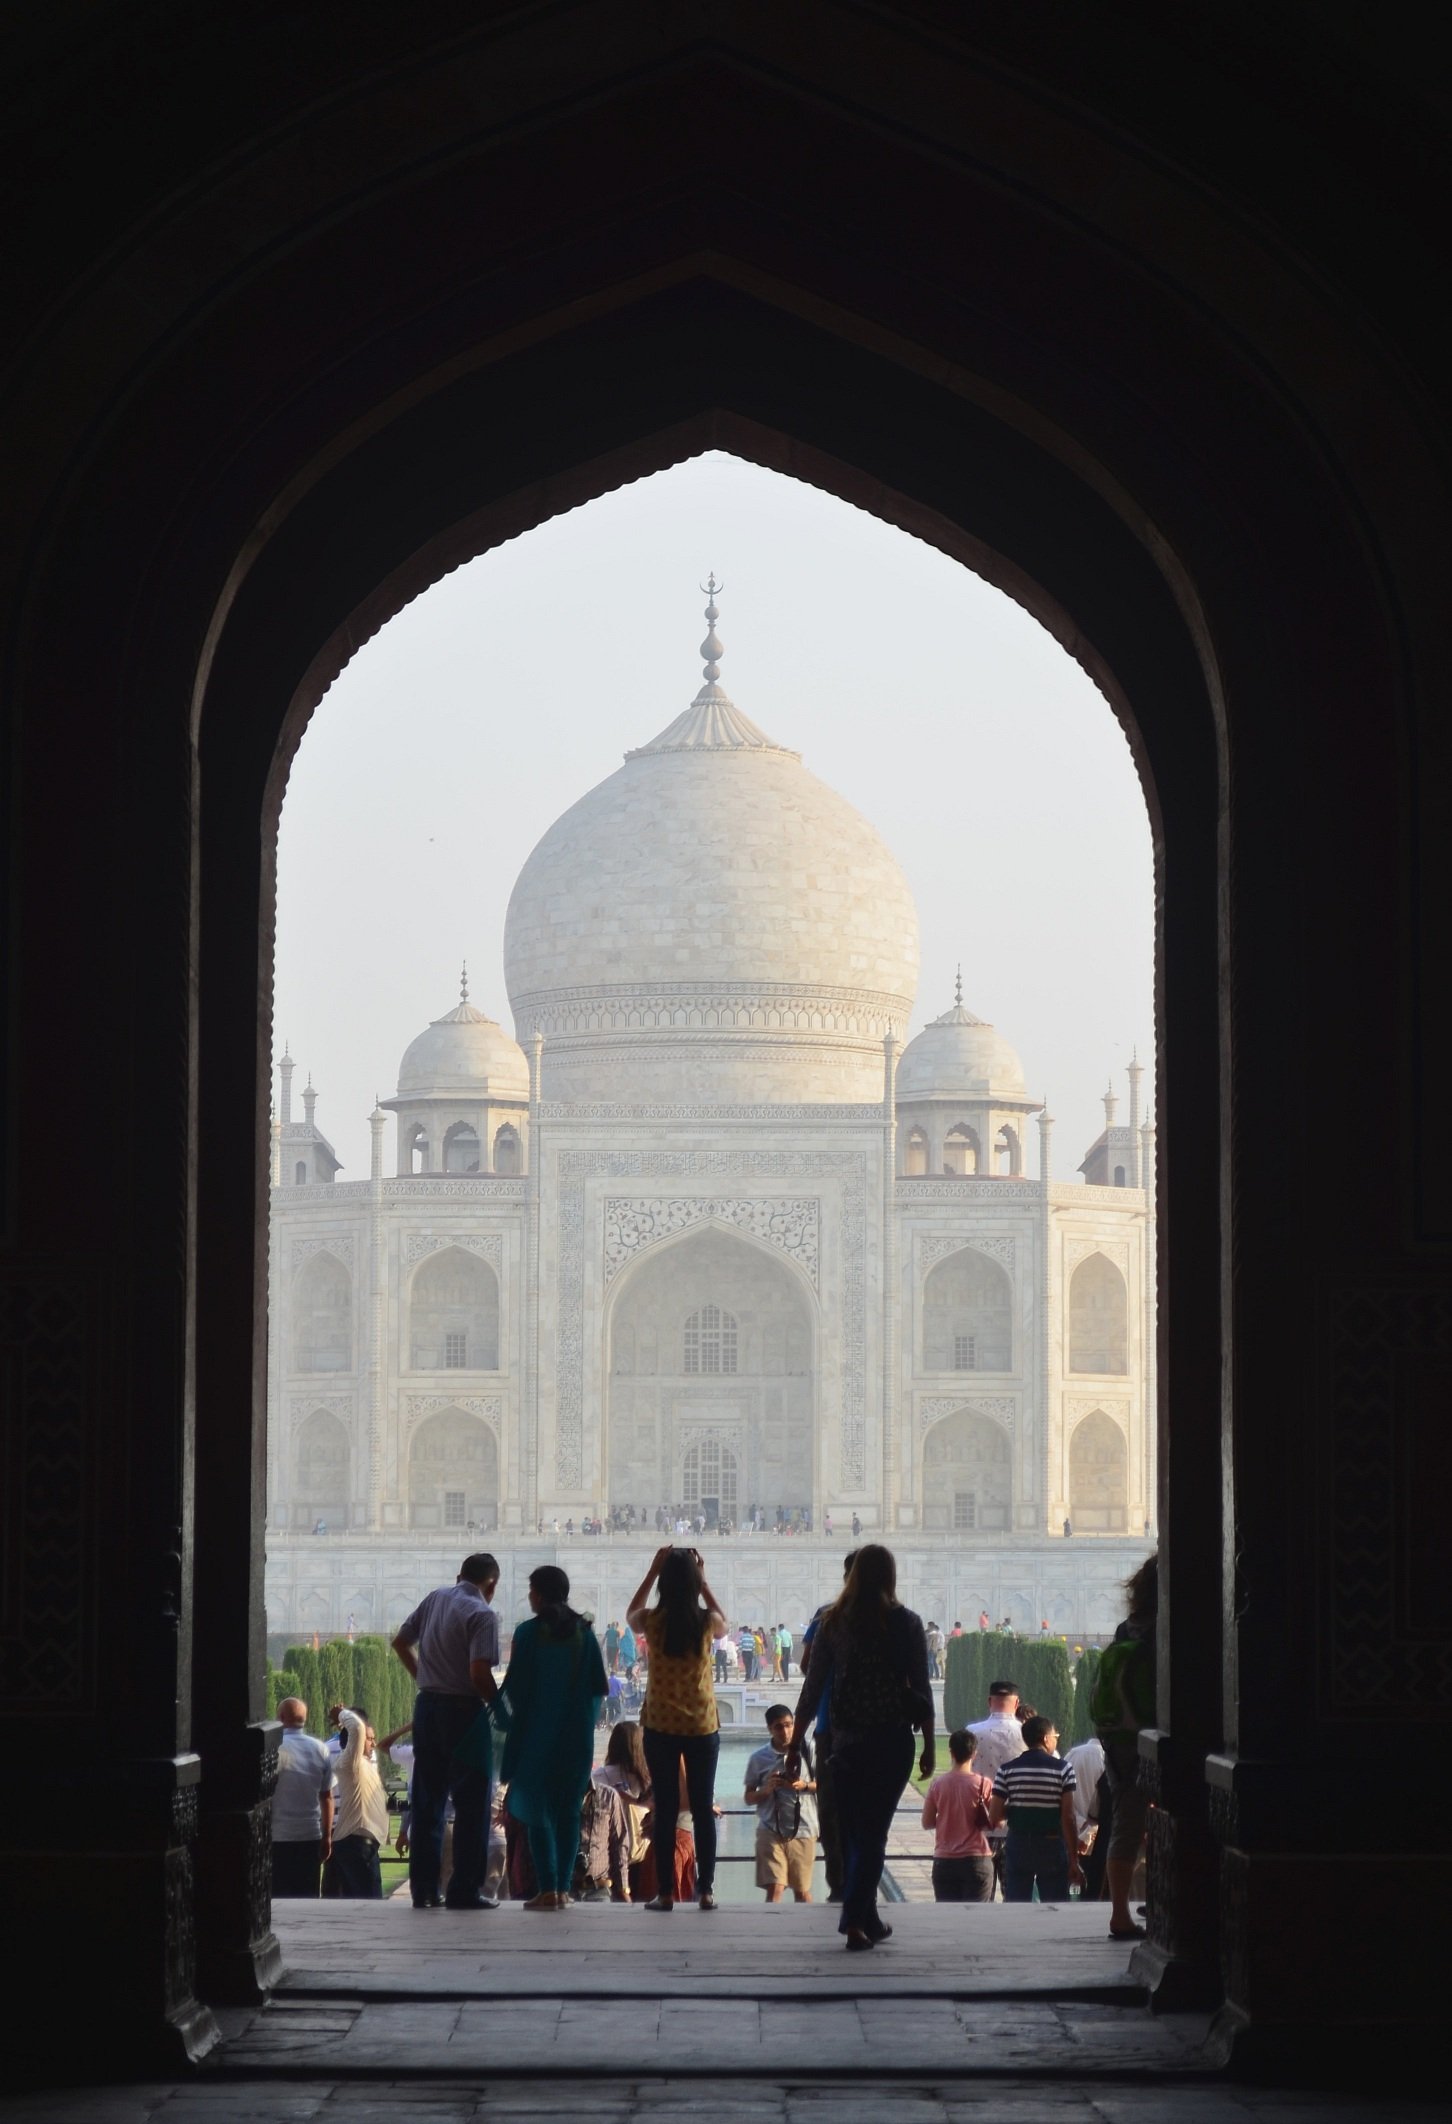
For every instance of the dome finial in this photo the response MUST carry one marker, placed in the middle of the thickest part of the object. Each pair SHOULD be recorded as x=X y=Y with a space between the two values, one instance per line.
x=464 y=983
x=711 y=648
x=958 y=987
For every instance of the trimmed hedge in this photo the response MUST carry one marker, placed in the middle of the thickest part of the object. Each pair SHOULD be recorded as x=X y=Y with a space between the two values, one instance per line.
x=1084 y=1673
x=367 y=1672
x=1039 y=1666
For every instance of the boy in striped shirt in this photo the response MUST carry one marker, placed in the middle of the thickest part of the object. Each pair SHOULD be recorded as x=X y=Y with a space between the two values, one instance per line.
x=1028 y=1794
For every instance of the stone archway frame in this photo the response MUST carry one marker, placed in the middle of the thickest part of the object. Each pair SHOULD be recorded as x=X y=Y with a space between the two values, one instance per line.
x=678 y=1232
x=1003 y=1411
x=941 y=454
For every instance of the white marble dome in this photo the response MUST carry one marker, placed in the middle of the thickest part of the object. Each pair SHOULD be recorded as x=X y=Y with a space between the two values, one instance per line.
x=958 y=1056
x=463 y=1052
x=711 y=924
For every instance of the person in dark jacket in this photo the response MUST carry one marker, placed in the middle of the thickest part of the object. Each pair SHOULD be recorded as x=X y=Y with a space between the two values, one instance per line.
x=872 y=1653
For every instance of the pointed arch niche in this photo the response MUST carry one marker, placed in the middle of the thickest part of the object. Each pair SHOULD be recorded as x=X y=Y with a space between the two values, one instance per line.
x=968 y=1315
x=967 y=1474
x=454 y=1314
x=1099 y=1476
x=1098 y=1317
x=453 y=1473
x=322 y=1472
x=753 y=1418
x=322 y=1316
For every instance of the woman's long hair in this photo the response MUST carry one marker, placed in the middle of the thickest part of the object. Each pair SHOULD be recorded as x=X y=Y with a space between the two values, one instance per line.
x=625 y=1751
x=550 y=1584
x=678 y=1600
x=870 y=1594
x=1143 y=1591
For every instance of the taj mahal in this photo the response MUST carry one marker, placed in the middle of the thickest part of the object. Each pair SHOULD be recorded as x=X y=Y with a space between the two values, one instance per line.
x=705 y=1233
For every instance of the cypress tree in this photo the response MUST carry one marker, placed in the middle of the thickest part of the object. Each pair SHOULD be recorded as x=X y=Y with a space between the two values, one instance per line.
x=307 y=1681
x=336 y=1669
x=370 y=1680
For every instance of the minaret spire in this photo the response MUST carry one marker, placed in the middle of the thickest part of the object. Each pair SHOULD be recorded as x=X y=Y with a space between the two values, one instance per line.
x=958 y=986
x=464 y=983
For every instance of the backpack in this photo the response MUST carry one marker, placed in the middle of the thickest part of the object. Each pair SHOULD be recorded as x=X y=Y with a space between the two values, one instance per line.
x=1122 y=1699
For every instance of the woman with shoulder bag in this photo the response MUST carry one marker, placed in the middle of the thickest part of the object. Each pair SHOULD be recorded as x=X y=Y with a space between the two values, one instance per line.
x=873 y=1653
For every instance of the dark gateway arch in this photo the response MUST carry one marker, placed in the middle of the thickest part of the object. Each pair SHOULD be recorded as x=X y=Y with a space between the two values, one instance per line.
x=1134 y=314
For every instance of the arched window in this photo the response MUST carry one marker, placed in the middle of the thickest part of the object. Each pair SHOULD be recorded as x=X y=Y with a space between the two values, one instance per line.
x=1098 y=1476
x=454 y=1314
x=321 y=1459
x=1119 y=1176
x=968 y=1315
x=708 y=1480
x=506 y=1149
x=453 y=1472
x=915 y=1157
x=710 y=1341
x=300 y=1173
x=1098 y=1318
x=1010 y=1152
x=322 y=1311
x=417 y=1149
x=967 y=1474
x=461 y=1149
x=960 y=1150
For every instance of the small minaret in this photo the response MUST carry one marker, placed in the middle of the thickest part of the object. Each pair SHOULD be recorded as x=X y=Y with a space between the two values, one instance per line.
x=1111 y=1105
x=276 y=1133
x=310 y=1103
x=1046 y=1130
x=285 y=1069
x=377 y=1121
x=1135 y=1073
x=1147 y=1159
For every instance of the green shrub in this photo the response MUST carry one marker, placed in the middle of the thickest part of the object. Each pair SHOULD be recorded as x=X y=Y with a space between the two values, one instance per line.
x=1085 y=1669
x=336 y=1669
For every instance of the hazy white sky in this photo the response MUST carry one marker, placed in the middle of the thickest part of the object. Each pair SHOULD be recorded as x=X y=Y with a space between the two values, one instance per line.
x=990 y=764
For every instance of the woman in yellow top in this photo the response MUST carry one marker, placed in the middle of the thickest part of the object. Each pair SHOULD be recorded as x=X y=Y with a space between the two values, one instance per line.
x=678 y=1721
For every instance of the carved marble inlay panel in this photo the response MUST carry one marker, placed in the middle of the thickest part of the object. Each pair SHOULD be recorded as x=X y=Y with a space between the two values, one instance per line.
x=339 y=1245
x=933 y=1248
x=718 y=1169
x=489 y=1246
x=1115 y=1250
x=489 y=1406
x=789 y=1223
x=933 y=1406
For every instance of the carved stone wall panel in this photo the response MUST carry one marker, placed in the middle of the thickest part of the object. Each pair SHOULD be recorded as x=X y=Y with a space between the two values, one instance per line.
x=489 y=1406
x=489 y=1246
x=719 y=1169
x=339 y=1245
x=932 y=1407
x=936 y=1247
x=303 y=1405
x=47 y=1327
x=1388 y=1383
x=1115 y=1250
x=1079 y=1405
x=909 y=1191
x=789 y=1223
x=589 y=1112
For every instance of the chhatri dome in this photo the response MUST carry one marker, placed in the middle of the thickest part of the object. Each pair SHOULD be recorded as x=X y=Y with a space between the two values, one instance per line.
x=463 y=1053
x=958 y=1056
x=711 y=925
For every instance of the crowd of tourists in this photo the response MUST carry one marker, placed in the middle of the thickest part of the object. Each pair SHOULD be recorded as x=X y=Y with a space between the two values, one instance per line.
x=1009 y=1814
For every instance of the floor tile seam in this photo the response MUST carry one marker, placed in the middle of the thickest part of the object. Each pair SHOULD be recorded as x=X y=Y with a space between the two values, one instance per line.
x=1115 y=1998
x=1082 y=2073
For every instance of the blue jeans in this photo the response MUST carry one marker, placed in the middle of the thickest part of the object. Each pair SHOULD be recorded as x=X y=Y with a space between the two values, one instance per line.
x=664 y=1753
x=869 y=1770
x=1027 y=1859
x=439 y=1724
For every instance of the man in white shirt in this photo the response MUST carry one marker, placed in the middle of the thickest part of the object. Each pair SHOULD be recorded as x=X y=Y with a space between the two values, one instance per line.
x=998 y=1740
x=361 y=1823
x=450 y=1645
x=302 y=1806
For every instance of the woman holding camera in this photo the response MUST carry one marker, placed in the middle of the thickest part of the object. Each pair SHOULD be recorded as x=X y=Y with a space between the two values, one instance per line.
x=679 y=1722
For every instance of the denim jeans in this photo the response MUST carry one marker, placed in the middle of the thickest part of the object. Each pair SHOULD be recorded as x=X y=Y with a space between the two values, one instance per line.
x=869 y=1770
x=664 y=1754
x=1027 y=1859
x=439 y=1724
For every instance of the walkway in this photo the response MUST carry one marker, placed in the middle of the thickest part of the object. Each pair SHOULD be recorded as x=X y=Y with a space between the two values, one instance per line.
x=749 y=2015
